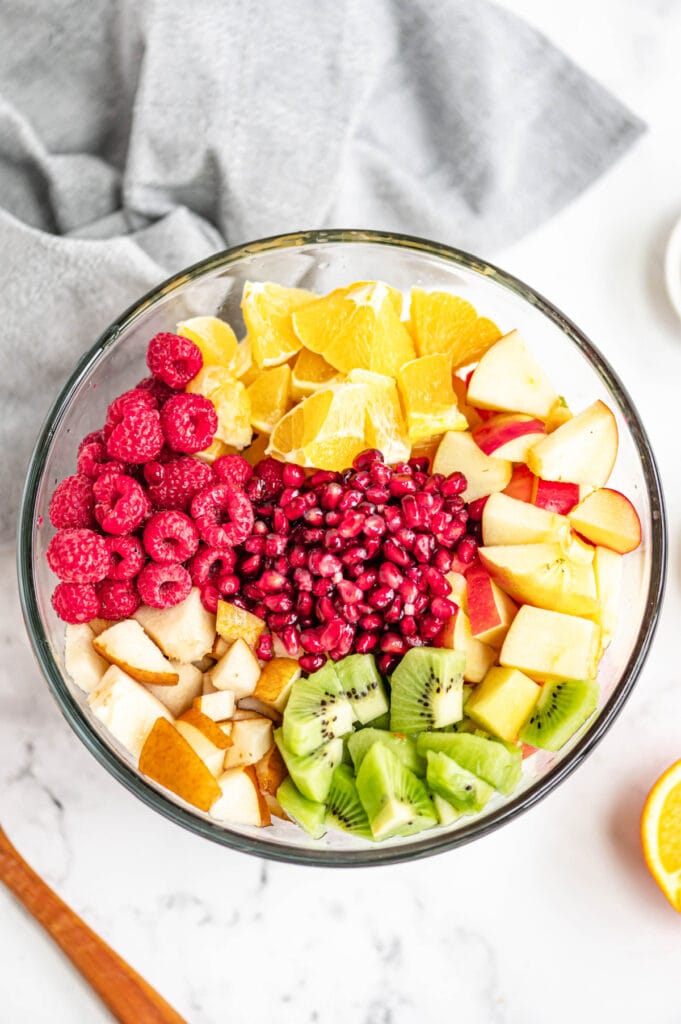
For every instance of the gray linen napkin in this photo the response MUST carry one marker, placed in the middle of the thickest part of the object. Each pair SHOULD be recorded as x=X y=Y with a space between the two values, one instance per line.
x=138 y=137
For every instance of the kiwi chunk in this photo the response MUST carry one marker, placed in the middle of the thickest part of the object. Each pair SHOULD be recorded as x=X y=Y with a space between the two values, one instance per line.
x=445 y=812
x=395 y=800
x=563 y=707
x=496 y=763
x=363 y=686
x=317 y=711
x=307 y=813
x=427 y=690
x=343 y=807
x=403 y=746
x=312 y=772
x=459 y=787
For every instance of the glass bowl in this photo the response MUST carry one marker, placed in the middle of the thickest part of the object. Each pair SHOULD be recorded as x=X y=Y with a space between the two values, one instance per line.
x=321 y=261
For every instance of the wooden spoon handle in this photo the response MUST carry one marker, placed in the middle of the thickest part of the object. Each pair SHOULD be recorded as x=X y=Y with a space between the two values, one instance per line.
x=128 y=996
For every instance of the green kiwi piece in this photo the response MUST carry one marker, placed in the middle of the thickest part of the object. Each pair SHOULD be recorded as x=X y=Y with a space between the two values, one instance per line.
x=426 y=690
x=363 y=686
x=307 y=813
x=382 y=722
x=493 y=762
x=312 y=772
x=360 y=742
x=395 y=800
x=343 y=807
x=563 y=707
x=459 y=787
x=317 y=711
x=445 y=812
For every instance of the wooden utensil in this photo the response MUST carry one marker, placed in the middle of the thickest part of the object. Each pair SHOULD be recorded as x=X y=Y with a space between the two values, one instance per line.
x=128 y=996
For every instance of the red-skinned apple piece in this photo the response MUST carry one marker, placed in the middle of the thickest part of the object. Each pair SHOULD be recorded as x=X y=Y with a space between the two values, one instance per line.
x=554 y=495
x=609 y=519
x=509 y=436
x=543 y=575
x=521 y=484
x=490 y=610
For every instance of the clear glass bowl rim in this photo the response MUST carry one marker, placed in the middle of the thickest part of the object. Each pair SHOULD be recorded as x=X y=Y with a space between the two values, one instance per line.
x=428 y=843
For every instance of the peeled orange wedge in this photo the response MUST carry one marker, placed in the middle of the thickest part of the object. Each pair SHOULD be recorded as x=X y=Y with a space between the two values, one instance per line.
x=270 y=396
x=356 y=327
x=661 y=833
x=231 y=401
x=428 y=397
x=267 y=312
x=441 y=322
x=214 y=337
x=311 y=371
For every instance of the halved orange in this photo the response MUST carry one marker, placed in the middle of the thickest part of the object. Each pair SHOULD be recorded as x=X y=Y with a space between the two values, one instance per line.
x=270 y=395
x=441 y=322
x=357 y=327
x=267 y=309
x=661 y=833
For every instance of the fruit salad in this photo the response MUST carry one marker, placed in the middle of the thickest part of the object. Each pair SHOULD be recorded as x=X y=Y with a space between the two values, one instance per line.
x=348 y=572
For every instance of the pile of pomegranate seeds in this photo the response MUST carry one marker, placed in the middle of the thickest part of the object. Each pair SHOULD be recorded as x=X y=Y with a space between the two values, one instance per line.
x=348 y=562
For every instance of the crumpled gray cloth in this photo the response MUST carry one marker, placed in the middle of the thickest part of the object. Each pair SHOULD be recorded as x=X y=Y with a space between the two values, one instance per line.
x=138 y=137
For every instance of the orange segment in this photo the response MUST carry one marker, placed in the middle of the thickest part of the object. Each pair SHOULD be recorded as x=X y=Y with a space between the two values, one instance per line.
x=446 y=323
x=384 y=426
x=428 y=397
x=270 y=395
x=214 y=337
x=661 y=833
x=231 y=401
x=311 y=371
x=267 y=309
x=357 y=327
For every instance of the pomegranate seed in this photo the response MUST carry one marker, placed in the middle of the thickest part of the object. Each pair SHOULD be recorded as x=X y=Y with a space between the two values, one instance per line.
x=274 y=545
x=415 y=573
x=259 y=526
x=403 y=467
x=442 y=560
x=290 y=637
x=394 y=612
x=390 y=575
x=421 y=603
x=433 y=483
x=312 y=536
x=476 y=508
x=371 y=621
x=367 y=579
x=258 y=609
x=466 y=550
x=330 y=634
x=321 y=586
x=349 y=500
x=255 y=489
x=442 y=608
x=302 y=579
x=351 y=613
x=295 y=508
x=292 y=475
x=374 y=526
x=287 y=495
x=401 y=484
x=373 y=546
x=376 y=494
x=229 y=584
x=362 y=480
x=451 y=534
x=380 y=597
x=304 y=603
x=352 y=524
x=354 y=555
x=430 y=627
x=367 y=458
x=386 y=663
x=408 y=626
x=253 y=592
x=349 y=592
x=392 y=643
x=280 y=523
x=332 y=518
x=394 y=552
x=278 y=602
x=309 y=641
x=380 y=473
x=365 y=642
x=420 y=464
x=254 y=545
x=271 y=581
x=264 y=648
x=333 y=541
x=238 y=601
x=311 y=662
x=251 y=566
x=393 y=518
x=420 y=478
x=325 y=609
x=437 y=583
x=423 y=547
x=314 y=516
x=266 y=511
x=413 y=515
x=321 y=477
x=405 y=537
x=453 y=485
x=281 y=565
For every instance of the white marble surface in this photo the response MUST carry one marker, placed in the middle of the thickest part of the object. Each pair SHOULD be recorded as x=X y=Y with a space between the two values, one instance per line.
x=553 y=917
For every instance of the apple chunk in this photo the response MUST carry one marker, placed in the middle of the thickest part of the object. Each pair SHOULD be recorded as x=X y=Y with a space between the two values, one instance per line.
x=490 y=610
x=608 y=571
x=126 y=708
x=479 y=656
x=503 y=702
x=543 y=575
x=609 y=519
x=241 y=802
x=82 y=662
x=581 y=451
x=168 y=759
x=185 y=632
x=549 y=645
x=554 y=495
x=509 y=378
x=509 y=436
x=127 y=645
x=521 y=483
x=509 y=521
x=484 y=474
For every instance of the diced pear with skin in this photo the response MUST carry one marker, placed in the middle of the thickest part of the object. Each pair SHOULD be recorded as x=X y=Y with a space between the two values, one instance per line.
x=608 y=567
x=244 y=714
x=509 y=435
x=168 y=759
x=550 y=645
x=241 y=802
x=503 y=702
x=490 y=610
x=218 y=706
x=251 y=739
x=271 y=771
x=484 y=474
x=542 y=575
x=211 y=755
x=220 y=647
x=509 y=378
x=274 y=807
x=126 y=708
x=582 y=451
x=607 y=518
x=82 y=662
x=185 y=632
x=235 y=623
x=479 y=656
x=275 y=682
x=509 y=521
x=238 y=670
x=210 y=729
x=458 y=593
x=99 y=625
x=179 y=698
x=207 y=686
x=256 y=707
x=127 y=645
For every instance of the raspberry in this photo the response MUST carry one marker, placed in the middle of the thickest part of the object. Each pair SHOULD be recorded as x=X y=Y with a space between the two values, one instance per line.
x=120 y=503
x=93 y=460
x=157 y=388
x=223 y=515
x=233 y=469
x=138 y=437
x=127 y=557
x=162 y=586
x=174 y=359
x=170 y=537
x=94 y=435
x=174 y=484
x=78 y=556
x=189 y=423
x=118 y=599
x=75 y=602
x=120 y=406
x=72 y=503
x=208 y=564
